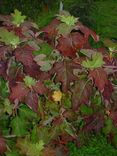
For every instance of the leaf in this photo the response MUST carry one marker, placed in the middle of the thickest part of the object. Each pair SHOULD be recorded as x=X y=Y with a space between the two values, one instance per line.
x=49 y=151
x=26 y=113
x=57 y=96
x=30 y=149
x=50 y=30
x=81 y=93
x=68 y=45
x=68 y=19
x=12 y=153
x=3 y=145
x=18 y=92
x=68 y=128
x=17 y=18
x=29 y=81
x=110 y=44
x=7 y=107
x=64 y=73
x=44 y=63
x=45 y=48
x=64 y=29
x=40 y=88
x=108 y=91
x=32 y=100
x=3 y=69
x=108 y=126
x=96 y=62
x=99 y=77
x=24 y=55
x=66 y=101
x=9 y=38
x=85 y=110
x=4 y=91
x=51 y=85
x=94 y=122
x=19 y=126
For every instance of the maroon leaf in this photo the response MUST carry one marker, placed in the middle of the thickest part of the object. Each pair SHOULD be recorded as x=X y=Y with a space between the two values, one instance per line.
x=25 y=55
x=33 y=70
x=32 y=101
x=108 y=90
x=51 y=28
x=40 y=88
x=19 y=91
x=113 y=115
x=99 y=77
x=65 y=46
x=87 y=32
x=81 y=93
x=3 y=51
x=3 y=146
x=93 y=123
x=64 y=71
x=3 y=69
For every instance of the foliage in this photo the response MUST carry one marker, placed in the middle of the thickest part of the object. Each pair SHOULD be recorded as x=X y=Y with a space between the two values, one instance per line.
x=96 y=146
x=103 y=19
x=55 y=86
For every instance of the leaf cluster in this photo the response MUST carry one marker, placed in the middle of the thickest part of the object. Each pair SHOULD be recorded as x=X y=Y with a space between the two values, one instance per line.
x=54 y=86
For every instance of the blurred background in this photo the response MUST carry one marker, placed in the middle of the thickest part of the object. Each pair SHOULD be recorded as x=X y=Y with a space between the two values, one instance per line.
x=100 y=15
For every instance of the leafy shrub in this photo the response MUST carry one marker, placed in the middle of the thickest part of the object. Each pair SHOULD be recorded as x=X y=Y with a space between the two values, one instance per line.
x=56 y=86
x=97 y=146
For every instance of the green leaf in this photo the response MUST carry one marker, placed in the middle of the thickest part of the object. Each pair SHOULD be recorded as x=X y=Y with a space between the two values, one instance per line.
x=9 y=38
x=68 y=19
x=7 y=107
x=12 y=153
x=30 y=149
x=110 y=44
x=4 y=92
x=41 y=60
x=26 y=113
x=29 y=81
x=19 y=126
x=85 y=110
x=51 y=85
x=96 y=62
x=66 y=100
x=17 y=18
x=64 y=29
x=45 y=48
x=108 y=126
x=68 y=128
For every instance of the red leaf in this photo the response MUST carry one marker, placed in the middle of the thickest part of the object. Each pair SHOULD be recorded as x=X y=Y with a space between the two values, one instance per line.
x=33 y=70
x=69 y=45
x=87 y=32
x=64 y=71
x=25 y=55
x=40 y=88
x=3 y=51
x=65 y=46
x=99 y=77
x=108 y=90
x=32 y=101
x=93 y=123
x=3 y=69
x=113 y=115
x=51 y=28
x=3 y=146
x=81 y=93
x=19 y=91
